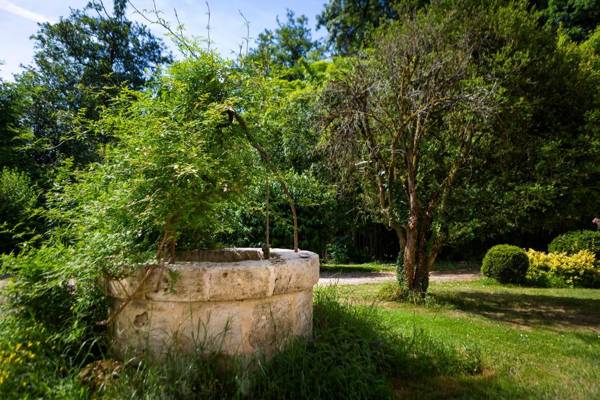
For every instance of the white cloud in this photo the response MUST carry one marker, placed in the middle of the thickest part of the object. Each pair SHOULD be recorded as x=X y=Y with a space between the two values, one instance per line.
x=22 y=12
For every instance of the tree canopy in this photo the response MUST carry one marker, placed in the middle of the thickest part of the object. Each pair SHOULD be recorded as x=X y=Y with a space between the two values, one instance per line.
x=80 y=63
x=480 y=124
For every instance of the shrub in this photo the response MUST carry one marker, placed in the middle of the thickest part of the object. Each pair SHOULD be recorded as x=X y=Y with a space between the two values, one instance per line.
x=575 y=241
x=505 y=263
x=393 y=291
x=32 y=364
x=18 y=199
x=561 y=269
x=337 y=252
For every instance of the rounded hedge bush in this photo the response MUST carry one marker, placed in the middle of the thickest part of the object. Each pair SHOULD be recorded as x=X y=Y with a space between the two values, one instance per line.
x=505 y=263
x=575 y=241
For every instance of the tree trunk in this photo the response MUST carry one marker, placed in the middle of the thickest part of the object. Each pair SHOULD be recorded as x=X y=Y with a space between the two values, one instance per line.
x=409 y=258
x=418 y=260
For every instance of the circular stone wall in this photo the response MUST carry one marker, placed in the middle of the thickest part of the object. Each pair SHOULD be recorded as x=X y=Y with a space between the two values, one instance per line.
x=230 y=301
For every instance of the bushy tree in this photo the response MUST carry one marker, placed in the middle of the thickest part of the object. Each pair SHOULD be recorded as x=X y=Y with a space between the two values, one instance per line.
x=350 y=23
x=411 y=114
x=579 y=18
x=287 y=44
x=81 y=62
x=174 y=160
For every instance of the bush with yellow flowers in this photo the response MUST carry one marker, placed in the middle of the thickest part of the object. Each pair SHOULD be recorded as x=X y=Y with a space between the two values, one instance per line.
x=560 y=269
x=14 y=362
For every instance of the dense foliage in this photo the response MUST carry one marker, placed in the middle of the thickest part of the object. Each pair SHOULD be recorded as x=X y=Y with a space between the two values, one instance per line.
x=290 y=42
x=80 y=63
x=577 y=17
x=549 y=143
x=18 y=204
x=436 y=129
x=505 y=263
x=573 y=242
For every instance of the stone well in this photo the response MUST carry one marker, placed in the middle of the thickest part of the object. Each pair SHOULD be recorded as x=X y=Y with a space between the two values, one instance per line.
x=231 y=301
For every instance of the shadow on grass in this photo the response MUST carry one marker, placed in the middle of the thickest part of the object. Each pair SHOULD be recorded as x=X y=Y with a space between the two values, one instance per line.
x=526 y=309
x=484 y=386
x=353 y=354
x=456 y=266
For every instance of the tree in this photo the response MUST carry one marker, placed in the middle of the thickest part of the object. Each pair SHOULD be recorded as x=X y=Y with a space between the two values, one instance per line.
x=410 y=115
x=578 y=18
x=538 y=174
x=80 y=63
x=349 y=23
x=277 y=113
x=161 y=183
x=14 y=138
x=288 y=43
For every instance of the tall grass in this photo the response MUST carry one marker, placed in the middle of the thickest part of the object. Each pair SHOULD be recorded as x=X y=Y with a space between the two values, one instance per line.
x=352 y=355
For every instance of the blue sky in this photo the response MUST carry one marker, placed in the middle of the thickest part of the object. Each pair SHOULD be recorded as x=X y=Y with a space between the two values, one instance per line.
x=19 y=18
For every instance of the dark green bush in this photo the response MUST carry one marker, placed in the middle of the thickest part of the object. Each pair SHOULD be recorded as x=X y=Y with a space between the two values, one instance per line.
x=337 y=252
x=505 y=263
x=572 y=242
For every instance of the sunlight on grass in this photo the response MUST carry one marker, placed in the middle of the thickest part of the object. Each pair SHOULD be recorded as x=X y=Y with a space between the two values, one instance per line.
x=535 y=343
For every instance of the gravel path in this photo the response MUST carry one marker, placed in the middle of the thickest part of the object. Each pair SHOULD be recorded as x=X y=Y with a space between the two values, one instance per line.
x=359 y=278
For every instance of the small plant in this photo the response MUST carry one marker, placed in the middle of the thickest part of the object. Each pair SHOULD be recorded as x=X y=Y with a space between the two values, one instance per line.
x=561 y=269
x=337 y=252
x=575 y=241
x=392 y=291
x=506 y=264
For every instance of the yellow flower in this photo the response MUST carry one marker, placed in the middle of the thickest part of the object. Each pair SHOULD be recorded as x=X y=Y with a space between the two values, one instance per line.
x=570 y=267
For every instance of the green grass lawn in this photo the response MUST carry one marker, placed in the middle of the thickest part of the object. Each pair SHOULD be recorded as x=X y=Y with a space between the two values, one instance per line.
x=367 y=267
x=534 y=343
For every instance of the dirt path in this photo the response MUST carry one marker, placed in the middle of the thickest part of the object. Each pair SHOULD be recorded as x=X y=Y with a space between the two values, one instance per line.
x=359 y=278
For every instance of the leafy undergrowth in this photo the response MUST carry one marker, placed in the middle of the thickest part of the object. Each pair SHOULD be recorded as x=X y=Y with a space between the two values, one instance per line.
x=354 y=355
x=534 y=342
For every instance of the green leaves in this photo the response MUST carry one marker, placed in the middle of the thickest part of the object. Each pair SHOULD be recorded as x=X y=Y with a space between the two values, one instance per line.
x=174 y=160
